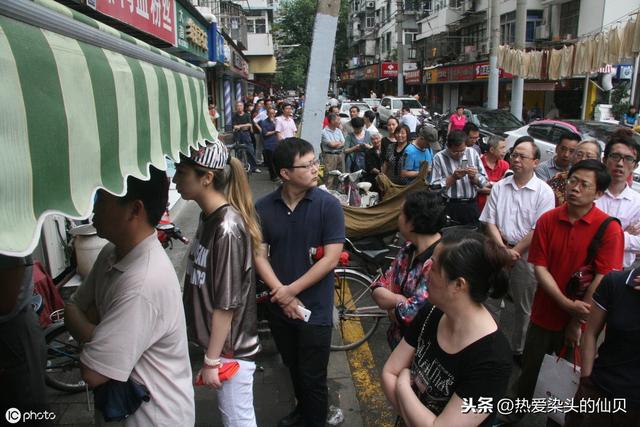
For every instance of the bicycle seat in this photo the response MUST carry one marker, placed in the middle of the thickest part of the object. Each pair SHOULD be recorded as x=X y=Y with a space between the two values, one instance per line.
x=375 y=256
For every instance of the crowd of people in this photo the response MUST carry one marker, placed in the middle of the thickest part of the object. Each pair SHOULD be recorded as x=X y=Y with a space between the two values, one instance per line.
x=444 y=292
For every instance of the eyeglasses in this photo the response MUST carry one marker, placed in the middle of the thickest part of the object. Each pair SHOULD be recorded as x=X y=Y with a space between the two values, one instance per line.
x=573 y=181
x=515 y=156
x=616 y=157
x=311 y=164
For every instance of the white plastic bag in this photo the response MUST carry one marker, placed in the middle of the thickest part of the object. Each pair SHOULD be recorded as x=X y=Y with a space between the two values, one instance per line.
x=558 y=379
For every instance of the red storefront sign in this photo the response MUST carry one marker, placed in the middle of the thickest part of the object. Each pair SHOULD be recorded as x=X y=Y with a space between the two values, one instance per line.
x=155 y=17
x=482 y=71
x=389 y=69
x=412 y=77
x=461 y=72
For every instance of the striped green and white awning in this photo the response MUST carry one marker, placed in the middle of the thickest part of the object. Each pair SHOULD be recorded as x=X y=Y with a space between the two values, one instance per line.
x=83 y=106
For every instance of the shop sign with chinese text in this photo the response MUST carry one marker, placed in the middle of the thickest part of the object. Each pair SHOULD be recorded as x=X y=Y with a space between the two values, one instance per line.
x=154 y=17
x=192 y=35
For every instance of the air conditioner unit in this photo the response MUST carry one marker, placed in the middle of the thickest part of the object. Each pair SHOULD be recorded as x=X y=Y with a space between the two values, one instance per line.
x=542 y=32
x=468 y=6
x=370 y=5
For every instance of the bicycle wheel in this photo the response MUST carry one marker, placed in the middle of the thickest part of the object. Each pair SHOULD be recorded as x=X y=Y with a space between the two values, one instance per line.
x=63 y=360
x=356 y=315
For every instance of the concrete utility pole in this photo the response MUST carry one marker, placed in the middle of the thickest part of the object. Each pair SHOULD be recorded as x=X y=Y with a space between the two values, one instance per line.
x=322 y=46
x=493 y=26
x=517 y=89
x=400 y=48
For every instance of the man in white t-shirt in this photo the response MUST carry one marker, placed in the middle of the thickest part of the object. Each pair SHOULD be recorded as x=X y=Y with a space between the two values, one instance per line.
x=285 y=125
x=410 y=121
x=510 y=215
x=128 y=312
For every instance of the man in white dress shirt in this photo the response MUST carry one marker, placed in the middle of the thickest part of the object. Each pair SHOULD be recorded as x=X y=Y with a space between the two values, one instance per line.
x=515 y=204
x=621 y=156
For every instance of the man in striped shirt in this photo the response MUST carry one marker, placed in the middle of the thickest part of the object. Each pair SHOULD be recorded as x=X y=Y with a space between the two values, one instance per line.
x=460 y=172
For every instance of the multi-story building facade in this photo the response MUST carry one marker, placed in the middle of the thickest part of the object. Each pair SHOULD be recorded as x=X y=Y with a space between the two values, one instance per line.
x=452 y=50
x=373 y=29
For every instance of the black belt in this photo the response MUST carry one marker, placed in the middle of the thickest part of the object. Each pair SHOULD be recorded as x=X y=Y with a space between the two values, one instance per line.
x=450 y=200
x=332 y=152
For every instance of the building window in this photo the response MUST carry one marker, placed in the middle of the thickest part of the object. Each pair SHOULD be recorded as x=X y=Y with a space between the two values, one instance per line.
x=370 y=21
x=409 y=37
x=534 y=20
x=508 y=28
x=388 y=42
x=474 y=35
x=257 y=25
x=569 y=14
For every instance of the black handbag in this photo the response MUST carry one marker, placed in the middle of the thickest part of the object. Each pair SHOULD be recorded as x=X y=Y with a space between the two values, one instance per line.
x=117 y=400
x=580 y=280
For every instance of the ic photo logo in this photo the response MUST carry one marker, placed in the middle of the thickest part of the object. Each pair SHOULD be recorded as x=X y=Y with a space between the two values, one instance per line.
x=13 y=415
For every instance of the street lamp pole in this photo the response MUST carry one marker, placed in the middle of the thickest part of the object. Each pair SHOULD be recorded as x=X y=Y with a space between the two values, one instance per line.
x=400 y=48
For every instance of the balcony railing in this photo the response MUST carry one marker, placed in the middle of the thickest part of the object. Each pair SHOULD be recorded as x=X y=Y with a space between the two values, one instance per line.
x=231 y=18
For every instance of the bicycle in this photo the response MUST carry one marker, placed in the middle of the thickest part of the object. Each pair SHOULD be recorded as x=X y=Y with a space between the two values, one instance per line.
x=356 y=314
x=239 y=150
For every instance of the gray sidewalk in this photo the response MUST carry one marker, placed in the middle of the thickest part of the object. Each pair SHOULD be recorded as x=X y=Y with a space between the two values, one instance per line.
x=273 y=394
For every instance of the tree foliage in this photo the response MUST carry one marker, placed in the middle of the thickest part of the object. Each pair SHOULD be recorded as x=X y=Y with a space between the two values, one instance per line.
x=294 y=26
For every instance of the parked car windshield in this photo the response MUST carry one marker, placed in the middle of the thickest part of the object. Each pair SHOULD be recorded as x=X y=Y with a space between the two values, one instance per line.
x=498 y=119
x=411 y=103
x=598 y=130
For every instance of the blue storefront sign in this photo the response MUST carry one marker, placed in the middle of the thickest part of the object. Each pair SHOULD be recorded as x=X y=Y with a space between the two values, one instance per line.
x=216 y=44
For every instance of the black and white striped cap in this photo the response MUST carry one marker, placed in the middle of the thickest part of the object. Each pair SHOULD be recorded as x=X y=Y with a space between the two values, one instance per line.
x=213 y=156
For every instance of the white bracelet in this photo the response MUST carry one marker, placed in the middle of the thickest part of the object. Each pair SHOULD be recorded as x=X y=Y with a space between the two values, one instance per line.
x=211 y=362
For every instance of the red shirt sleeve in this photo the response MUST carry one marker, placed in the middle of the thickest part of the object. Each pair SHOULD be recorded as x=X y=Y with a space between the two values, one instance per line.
x=538 y=248
x=611 y=252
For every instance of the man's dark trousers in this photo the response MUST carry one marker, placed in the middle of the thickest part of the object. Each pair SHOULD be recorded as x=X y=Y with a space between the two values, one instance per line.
x=305 y=351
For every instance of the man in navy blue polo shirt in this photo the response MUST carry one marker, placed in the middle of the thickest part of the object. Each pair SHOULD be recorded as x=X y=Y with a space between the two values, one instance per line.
x=296 y=218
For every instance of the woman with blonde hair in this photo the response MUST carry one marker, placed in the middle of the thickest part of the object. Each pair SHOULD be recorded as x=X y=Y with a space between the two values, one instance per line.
x=219 y=291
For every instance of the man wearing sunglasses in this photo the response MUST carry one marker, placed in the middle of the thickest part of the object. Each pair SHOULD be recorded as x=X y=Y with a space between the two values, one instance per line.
x=621 y=155
x=296 y=218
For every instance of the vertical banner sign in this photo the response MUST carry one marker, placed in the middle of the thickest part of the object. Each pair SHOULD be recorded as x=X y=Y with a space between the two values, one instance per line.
x=155 y=17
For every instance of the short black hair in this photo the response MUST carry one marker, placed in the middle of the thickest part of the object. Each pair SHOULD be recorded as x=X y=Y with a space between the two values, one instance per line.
x=406 y=108
x=356 y=107
x=357 y=122
x=370 y=115
x=285 y=105
x=331 y=117
x=603 y=179
x=571 y=136
x=622 y=136
x=153 y=193
x=479 y=260
x=455 y=138
x=287 y=151
x=402 y=127
x=536 y=150
x=425 y=210
x=470 y=127
x=459 y=107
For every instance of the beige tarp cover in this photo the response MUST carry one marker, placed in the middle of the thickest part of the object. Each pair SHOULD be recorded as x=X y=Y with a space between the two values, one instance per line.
x=383 y=217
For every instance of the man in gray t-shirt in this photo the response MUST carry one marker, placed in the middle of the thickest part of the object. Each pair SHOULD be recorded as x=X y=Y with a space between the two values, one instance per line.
x=128 y=312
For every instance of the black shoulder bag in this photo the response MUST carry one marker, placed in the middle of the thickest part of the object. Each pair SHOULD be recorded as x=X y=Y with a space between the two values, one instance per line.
x=581 y=279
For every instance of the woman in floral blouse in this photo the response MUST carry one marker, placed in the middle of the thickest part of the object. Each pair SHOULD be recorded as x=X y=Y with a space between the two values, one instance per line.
x=402 y=290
